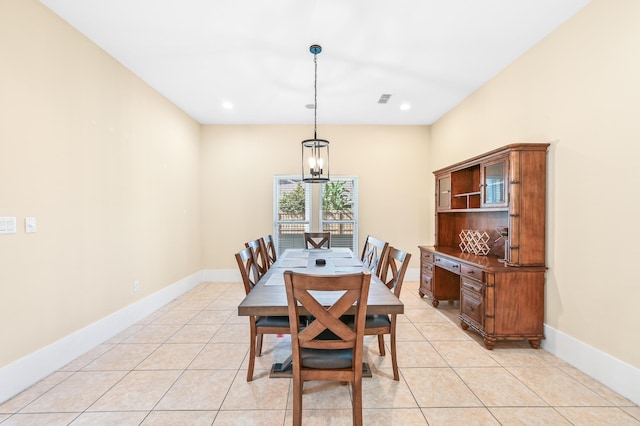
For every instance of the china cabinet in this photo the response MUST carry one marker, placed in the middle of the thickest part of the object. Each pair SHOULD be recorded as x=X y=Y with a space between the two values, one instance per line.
x=502 y=194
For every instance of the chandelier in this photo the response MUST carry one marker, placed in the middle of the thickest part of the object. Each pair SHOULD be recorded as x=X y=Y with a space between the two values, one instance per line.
x=315 y=152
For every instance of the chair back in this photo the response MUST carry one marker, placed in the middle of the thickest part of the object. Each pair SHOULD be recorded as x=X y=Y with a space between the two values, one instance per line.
x=395 y=266
x=325 y=322
x=374 y=253
x=259 y=251
x=314 y=240
x=270 y=245
x=248 y=269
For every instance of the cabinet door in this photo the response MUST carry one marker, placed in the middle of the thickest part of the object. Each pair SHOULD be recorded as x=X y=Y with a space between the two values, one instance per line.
x=443 y=192
x=472 y=302
x=493 y=186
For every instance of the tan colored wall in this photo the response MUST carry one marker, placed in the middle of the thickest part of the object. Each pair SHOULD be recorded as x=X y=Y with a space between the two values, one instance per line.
x=239 y=163
x=110 y=170
x=579 y=89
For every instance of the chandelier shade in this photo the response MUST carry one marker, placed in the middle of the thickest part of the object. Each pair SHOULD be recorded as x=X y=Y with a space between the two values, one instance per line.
x=315 y=152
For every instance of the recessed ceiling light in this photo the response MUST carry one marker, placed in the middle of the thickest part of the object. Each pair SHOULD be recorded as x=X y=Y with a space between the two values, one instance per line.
x=227 y=105
x=405 y=106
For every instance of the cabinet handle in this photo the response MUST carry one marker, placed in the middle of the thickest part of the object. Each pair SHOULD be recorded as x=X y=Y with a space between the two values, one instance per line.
x=469 y=308
x=455 y=266
x=470 y=272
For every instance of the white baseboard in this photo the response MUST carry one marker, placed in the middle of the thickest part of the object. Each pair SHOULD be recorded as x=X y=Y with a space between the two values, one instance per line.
x=612 y=372
x=20 y=374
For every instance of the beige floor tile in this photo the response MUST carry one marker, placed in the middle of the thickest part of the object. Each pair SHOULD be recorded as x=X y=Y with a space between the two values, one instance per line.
x=3 y=417
x=416 y=315
x=337 y=417
x=154 y=333
x=248 y=417
x=632 y=411
x=407 y=332
x=139 y=390
x=496 y=387
x=601 y=416
x=48 y=419
x=216 y=356
x=441 y=331
x=556 y=387
x=418 y=354
x=24 y=398
x=529 y=416
x=172 y=418
x=439 y=387
x=211 y=317
x=259 y=394
x=198 y=390
x=171 y=356
x=176 y=316
x=224 y=305
x=459 y=416
x=384 y=392
x=125 y=334
x=397 y=417
x=193 y=304
x=195 y=333
x=120 y=418
x=83 y=360
x=122 y=357
x=519 y=357
x=232 y=333
x=597 y=387
x=326 y=395
x=76 y=393
x=464 y=353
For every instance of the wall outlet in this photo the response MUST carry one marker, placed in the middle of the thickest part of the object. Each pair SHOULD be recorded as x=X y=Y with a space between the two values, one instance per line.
x=136 y=286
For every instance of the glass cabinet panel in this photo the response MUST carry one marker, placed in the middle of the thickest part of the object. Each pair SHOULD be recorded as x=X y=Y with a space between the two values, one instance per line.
x=493 y=183
x=443 y=196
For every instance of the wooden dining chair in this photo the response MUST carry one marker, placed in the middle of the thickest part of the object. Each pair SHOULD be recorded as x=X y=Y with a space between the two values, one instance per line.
x=270 y=245
x=260 y=257
x=327 y=348
x=395 y=266
x=258 y=325
x=315 y=240
x=374 y=253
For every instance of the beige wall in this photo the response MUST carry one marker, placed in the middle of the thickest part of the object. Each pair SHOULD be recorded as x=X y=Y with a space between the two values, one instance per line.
x=579 y=89
x=110 y=170
x=239 y=163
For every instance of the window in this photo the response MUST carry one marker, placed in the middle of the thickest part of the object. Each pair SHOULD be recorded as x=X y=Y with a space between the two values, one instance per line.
x=335 y=202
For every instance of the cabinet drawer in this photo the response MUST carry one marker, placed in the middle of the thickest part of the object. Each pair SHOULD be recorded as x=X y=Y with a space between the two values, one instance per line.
x=471 y=306
x=471 y=272
x=427 y=257
x=472 y=286
x=447 y=264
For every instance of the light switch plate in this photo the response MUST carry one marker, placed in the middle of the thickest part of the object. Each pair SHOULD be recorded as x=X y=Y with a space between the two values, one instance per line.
x=7 y=225
x=29 y=225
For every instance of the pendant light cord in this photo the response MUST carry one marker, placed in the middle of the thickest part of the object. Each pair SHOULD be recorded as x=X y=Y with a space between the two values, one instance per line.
x=315 y=97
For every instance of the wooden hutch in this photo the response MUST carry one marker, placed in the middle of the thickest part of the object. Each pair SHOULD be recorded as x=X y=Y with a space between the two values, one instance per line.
x=502 y=193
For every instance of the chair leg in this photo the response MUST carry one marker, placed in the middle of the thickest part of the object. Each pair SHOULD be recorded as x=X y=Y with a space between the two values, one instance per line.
x=297 y=401
x=252 y=353
x=394 y=358
x=259 y=348
x=357 y=402
x=381 y=344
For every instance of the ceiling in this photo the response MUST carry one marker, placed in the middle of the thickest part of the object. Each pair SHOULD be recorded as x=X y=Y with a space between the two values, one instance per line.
x=254 y=54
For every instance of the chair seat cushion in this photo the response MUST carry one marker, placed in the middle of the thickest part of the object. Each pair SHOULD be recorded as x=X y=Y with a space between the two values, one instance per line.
x=324 y=358
x=371 y=321
x=272 y=321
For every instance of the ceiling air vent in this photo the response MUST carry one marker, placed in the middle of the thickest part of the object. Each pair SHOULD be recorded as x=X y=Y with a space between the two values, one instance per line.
x=384 y=98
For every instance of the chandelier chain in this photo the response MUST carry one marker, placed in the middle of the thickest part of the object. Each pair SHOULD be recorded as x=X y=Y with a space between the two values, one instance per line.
x=315 y=97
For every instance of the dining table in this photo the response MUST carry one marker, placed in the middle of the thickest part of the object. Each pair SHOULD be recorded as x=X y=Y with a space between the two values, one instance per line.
x=269 y=298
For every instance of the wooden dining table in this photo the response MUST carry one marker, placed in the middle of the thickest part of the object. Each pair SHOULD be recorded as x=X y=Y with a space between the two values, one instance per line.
x=269 y=297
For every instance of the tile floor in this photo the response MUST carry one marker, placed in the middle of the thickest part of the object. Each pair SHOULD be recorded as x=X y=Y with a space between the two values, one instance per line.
x=186 y=365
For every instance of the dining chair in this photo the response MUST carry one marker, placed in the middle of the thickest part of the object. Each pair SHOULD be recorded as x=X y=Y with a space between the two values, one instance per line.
x=270 y=245
x=260 y=257
x=258 y=325
x=374 y=253
x=315 y=240
x=395 y=266
x=327 y=348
